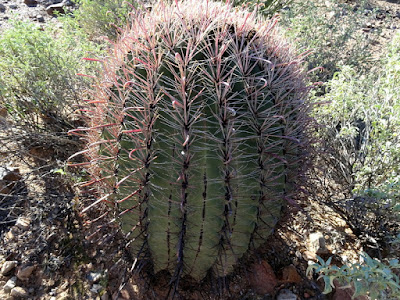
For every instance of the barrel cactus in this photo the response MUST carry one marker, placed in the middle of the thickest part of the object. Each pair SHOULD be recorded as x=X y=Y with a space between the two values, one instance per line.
x=196 y=134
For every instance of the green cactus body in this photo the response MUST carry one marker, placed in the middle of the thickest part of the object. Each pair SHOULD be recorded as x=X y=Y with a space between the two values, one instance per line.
x=197 y=133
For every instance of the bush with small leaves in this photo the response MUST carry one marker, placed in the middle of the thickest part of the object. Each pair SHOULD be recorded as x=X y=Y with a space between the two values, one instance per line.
x=359 y=146
x=265 y=7
x=38 y=83
x=331 y=29
x=103 y=17
x=371 y=277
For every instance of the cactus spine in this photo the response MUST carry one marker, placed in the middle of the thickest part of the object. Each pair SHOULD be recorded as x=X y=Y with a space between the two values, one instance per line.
x=196 y=134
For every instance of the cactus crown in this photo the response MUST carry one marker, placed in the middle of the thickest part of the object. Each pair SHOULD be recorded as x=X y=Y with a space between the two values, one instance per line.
x=196 y=134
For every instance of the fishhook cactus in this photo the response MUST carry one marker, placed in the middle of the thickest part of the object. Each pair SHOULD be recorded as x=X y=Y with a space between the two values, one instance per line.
x=196 y=134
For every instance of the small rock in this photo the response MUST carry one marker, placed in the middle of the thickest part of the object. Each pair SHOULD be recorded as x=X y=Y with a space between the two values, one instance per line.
x=11 y=283
x=309 y=255
x=380 y=16
x=23 y=223
x=50 y=282
x=13 y=6
x=89 y=266
x=8 y=178
x=2 y=8
x=331 y=15
x=40 y=18
x=30 y=2
x=94 y=277
x=342 y=293
x=135 y=288
x=9 y=236
x=59 y=8
x=290 y=275
x=262 y=278
x=25 y=271
x=286 y=294
x=8 y=266
x=11 y=175
x=317 y=243
x=68 y=3
x=19 y=292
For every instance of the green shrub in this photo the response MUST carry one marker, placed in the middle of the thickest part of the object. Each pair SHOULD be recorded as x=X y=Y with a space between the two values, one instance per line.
x=38 y=67
x=107 y=17
x=361 y=122
x=265 y=7
x=371 y=277
x=359 y=171
x=103 y=17
x=331 y=29
x=374 y=216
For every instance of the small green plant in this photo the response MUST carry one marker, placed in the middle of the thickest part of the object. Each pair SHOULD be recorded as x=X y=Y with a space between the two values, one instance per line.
x=371 y=277
x=108 y=17
x=358 y=169
x=265 y=7
x=103 y=17
x=332 y=30
x=360 y=123
x=38 y=82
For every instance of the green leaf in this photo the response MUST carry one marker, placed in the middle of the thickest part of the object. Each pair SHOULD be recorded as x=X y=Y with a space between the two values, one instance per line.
x=394 y=262
x=358 y=288
x=328 y=286
x=59 y=171
x=321 y=261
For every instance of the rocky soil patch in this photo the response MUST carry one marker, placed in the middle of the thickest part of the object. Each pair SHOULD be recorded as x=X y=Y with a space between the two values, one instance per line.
x=39 y=11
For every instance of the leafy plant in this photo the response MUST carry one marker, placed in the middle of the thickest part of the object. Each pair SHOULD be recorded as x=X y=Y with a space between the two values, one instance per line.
x=38 y=67
x=371 y=277
x=108 y=17
x=358 y=135
x=103 y=17
x=265 y=7
x=198 y=126
x=360 y=123
x=332 y=30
